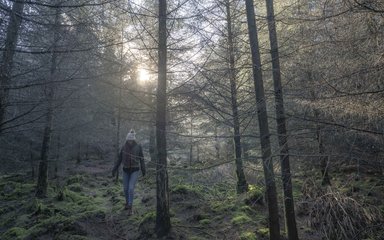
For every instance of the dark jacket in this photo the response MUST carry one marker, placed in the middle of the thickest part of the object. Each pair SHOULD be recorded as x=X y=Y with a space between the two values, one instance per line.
x=132 y=158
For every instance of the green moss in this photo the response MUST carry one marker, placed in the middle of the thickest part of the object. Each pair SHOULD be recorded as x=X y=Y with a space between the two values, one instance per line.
x=185 y=189
x=37 y=207
x=263 y=231
x=23 y=220
x=175 y=220
x=200 y=216
x=75 y=179
x=98 y=213
x=205 y=221
x=248 y=236
x=241 y=219
x=247 y=209
x=66 y=236
x=28 y=217
x=16 y=190
x=33 y=205
x=381 y=208
x=255 y=195
x=296 y=188
x=78 y=198
x=223 y=206
x=8 y=219
x=4 y=210
x=56 y=223
x=196 y=238
x=15 y=233
x=218 y=218
x=75 y=187
x=148 y=217
x=79 y=206
x=224 y=190
x=63 y=219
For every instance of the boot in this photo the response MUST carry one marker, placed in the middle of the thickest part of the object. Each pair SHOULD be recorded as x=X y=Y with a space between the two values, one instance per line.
x=129 y=208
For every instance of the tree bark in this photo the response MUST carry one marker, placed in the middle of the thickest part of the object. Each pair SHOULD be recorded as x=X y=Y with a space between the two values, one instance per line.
x=152 y=128
x=274 y=227
x=289 y=206
x=217 y=144
x=242 y=185
x=191 y=141
x=152 y=144
x=7 y=61
x=325 y=180
x=163 y=223
x=32 y=160
x=42 y=182
x=57 y=158
x=118 y=117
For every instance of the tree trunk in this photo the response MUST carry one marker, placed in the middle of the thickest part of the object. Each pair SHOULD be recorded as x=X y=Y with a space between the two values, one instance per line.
x=191 y=142
x=42 y=182
x=242 y=185
x=217 y=144
x=7 y=61
x=274 y=227
x=78 y=160
x=87 y=151
x=57 y=158
x=119 y=100
x=289 y=206
x=32 y=160
x=163 y=223
x=117 y=143
x=197 y=152
x=152 y=145
x=323 y=159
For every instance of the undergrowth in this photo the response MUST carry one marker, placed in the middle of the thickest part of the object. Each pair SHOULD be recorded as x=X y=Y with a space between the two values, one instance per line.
x=199 y=209
x=337 y=215
x=24 y=216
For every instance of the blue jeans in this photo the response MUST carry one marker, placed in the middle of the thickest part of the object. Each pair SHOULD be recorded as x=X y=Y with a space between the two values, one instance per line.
x=129 y=182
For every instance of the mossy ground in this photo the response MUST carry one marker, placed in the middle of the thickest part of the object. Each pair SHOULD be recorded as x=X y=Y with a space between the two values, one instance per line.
x=90 y=205
x=62 y=212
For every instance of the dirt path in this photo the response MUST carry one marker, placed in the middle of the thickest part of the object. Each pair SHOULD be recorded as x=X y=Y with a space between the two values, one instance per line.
x=116 y=223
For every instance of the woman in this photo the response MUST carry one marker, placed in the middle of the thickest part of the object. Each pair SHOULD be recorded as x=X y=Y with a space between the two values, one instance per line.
x=131 y=154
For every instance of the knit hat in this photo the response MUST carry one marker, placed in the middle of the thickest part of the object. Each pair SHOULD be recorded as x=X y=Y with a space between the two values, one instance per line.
x=131 y=135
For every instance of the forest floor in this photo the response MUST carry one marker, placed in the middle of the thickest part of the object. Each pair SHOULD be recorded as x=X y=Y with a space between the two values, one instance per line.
x=88 y=204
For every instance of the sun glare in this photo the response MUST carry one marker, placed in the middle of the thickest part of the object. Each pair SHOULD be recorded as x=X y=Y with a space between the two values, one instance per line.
x=143 y=75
